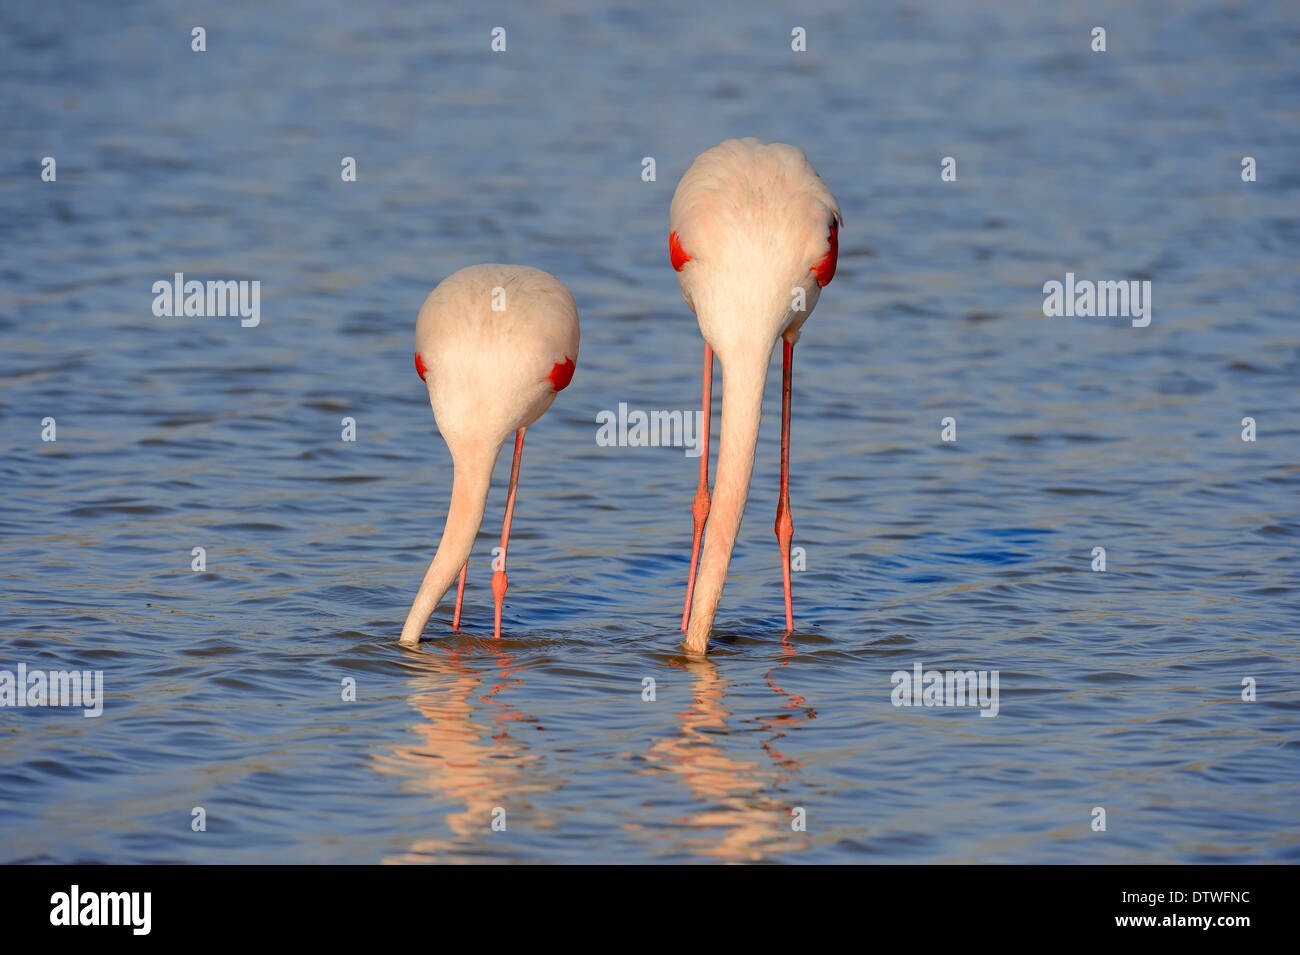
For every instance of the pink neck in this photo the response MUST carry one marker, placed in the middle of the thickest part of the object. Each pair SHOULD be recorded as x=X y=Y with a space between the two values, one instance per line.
x=743 y=378
x=469 y=491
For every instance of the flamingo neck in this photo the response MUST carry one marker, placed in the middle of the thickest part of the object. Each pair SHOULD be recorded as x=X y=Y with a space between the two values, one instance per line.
x=469 y=491
x=743 y=377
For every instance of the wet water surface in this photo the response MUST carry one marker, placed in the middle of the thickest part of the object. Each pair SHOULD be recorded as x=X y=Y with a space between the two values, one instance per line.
x=224 y=689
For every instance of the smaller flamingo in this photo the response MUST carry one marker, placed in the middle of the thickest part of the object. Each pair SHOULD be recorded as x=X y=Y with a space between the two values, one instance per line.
x=494 y=344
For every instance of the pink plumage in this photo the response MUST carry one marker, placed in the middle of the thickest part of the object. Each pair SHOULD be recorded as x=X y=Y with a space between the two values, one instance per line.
x=494 y=345
x=756 y=232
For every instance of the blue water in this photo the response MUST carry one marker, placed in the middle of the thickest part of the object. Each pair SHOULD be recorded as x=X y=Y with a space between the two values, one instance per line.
x=1119 y=690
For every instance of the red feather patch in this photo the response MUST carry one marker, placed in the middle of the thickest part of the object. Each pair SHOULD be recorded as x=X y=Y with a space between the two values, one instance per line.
x=420 y=366
x=825 y=269
x=561 y=374
x=676 y=254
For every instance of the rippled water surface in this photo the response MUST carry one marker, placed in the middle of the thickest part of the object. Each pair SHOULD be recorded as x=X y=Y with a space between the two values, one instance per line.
x=224 y=688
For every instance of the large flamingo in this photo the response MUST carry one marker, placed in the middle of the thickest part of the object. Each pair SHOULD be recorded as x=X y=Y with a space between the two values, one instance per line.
x=494 y=344
x=754 y=235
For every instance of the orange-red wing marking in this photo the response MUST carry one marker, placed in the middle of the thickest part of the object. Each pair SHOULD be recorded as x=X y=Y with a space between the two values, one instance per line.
x=677 y=254
x=561 y=374
x=825 y=269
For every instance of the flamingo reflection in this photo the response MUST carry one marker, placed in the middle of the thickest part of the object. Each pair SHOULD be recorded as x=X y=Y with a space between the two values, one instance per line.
x=799 y=713
x=742 y=798
x=466 y=753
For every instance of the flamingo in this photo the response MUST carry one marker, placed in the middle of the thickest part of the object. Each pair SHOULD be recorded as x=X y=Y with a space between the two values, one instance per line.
x=754 y=236
x=494 y=344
